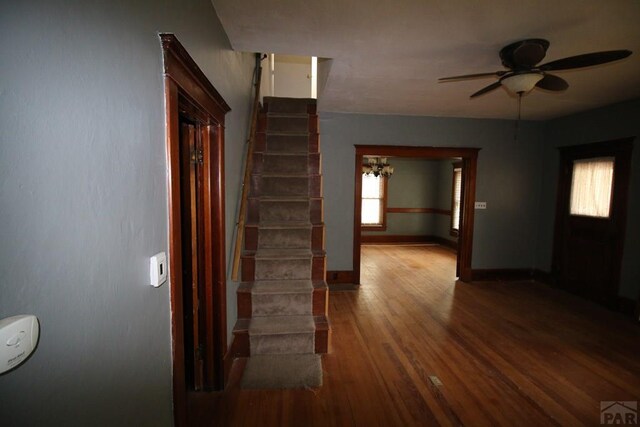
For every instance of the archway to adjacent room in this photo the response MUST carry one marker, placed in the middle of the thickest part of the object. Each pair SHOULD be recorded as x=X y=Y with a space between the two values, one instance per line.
x=468 y=157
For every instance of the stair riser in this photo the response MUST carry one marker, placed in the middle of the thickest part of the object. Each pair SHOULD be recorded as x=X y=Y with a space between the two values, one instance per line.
x=240 y=347
x=258 y=211
x=289 y=105
x=284 y=186
x=282 y=269
x=317 y=238
x=283 y=344
x=283 y=143
x=319 y=303
x=281 y=304
x=287 y=144
x=285 y=164
x=288 y=124
x=284 y=211
x=282 y=164
x=294 y=238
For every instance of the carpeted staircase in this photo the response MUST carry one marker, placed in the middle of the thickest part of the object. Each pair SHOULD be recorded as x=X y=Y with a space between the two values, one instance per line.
x=282 y=301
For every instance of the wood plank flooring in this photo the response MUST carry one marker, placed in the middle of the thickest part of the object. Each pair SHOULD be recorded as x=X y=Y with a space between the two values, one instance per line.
x=506 y=354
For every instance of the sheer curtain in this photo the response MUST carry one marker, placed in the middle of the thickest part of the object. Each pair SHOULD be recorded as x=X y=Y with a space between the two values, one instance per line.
x=371 y=199
x=591 y=186
x=457 y=190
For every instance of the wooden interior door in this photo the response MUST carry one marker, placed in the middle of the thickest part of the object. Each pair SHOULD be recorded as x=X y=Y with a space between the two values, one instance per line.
x=195 y=116
x=588 y=249
x=191 y=173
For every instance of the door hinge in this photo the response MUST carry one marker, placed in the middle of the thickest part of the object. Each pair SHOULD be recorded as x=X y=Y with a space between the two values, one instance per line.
x=200 y=352
x=197 y=157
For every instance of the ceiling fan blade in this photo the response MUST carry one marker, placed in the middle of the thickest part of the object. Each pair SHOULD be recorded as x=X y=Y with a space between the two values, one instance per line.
x=551 y=82
x=585 y=60
x=472 y=76
x=523 y=53
x=484 y=90
x=529 y=54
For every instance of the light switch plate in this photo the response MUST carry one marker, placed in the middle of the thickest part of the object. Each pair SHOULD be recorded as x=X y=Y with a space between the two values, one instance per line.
x=158 y=269
x=481 y=205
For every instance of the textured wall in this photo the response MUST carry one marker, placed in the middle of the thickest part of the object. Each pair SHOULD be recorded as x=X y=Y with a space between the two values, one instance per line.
x=616 y=121
x=83 y=190
x=508 y=179
x=292 y=76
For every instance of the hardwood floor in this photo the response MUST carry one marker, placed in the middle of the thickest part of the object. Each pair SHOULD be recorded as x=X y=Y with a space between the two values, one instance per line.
x=506 y=353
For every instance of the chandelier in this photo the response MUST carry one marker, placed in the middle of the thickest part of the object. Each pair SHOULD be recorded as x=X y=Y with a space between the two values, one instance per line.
x=377 y=166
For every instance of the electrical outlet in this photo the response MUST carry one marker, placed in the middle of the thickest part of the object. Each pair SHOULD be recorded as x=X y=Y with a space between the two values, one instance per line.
x=435 y=380
x=481 y=205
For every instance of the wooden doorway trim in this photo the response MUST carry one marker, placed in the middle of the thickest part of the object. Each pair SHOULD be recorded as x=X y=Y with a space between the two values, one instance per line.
x=187 y=88
x=469 y=164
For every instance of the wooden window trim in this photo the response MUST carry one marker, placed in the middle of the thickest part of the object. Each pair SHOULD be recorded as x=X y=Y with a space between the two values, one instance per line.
x=455 y=231
x=383 y=209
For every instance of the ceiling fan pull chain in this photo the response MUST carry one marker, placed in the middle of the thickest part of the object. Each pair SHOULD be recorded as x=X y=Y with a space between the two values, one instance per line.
x=515 y=135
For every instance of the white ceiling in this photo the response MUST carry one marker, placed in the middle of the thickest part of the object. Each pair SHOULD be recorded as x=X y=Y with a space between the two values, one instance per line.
x=387 y=55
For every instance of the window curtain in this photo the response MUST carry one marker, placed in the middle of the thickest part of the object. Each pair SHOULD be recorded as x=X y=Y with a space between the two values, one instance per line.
x=591 y=187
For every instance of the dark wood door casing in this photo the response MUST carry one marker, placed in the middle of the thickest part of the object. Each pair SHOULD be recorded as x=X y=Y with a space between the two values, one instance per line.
x=469 y=158
x=587 y=253
x=189 y=93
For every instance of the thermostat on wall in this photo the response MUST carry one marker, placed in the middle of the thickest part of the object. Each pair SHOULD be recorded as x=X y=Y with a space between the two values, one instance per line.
x=18 y=339
x=158 y=269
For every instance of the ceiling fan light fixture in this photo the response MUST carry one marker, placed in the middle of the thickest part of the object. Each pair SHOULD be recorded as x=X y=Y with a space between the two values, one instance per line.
x=521 y=83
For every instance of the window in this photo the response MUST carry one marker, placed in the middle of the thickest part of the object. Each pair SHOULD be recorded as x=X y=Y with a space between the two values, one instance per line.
x=373 y=202
x=456 y=194
x=591 y=187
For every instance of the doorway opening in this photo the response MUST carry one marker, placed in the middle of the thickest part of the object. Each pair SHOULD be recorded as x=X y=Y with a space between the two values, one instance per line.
x=462 y=159
x=195 y=114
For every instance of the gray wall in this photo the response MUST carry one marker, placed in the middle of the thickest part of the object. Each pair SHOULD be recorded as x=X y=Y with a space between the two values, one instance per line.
x=508 y=179
x=616 y=121
x=83 y=200
x=416 y=183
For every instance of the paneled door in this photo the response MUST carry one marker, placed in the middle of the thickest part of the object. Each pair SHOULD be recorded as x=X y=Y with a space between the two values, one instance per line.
x=193 y=281
x=590 y=219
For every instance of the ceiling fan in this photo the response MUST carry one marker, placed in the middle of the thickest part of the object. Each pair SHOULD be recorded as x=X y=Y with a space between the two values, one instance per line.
x=523 y=74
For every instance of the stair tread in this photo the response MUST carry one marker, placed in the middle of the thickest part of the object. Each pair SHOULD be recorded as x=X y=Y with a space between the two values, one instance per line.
x=281 y=287
x=286 y=153
x=290 y=253
x=279 y=253
x=293 y=114
x=284 y=198
x=281 y=224
x=316 y=284
x=285 y=133
x=286 y=175
x=280 y=325
x=279 y=99
x=290 y=152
